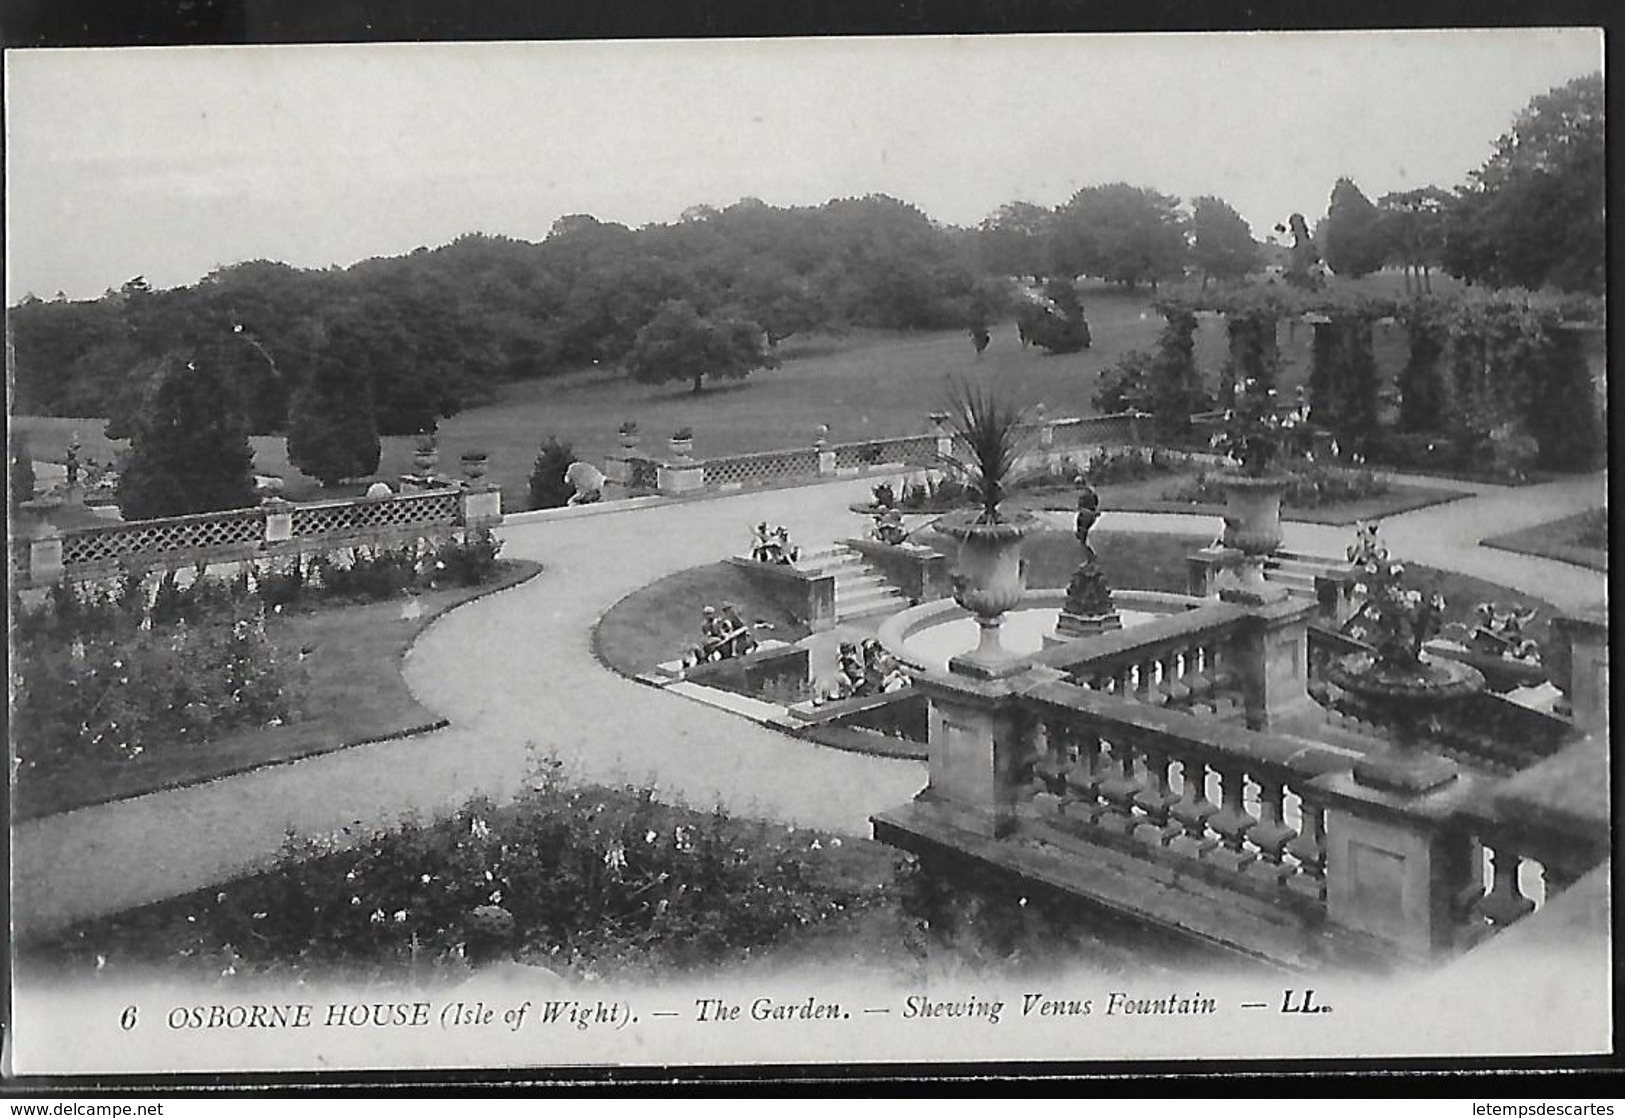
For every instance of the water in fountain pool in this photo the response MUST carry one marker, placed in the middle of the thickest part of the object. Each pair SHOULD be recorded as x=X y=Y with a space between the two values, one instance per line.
x=1023 y=634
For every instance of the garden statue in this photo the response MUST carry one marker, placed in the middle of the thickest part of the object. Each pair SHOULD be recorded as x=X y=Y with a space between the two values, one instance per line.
x=772 y=545
x=588 y=482
x=889 y=529
x=882 y=673
x=1394 y=683
x=72 y=460
x=1088 y=608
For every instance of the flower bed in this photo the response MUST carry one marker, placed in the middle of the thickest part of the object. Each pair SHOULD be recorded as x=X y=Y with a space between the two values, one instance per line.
x=582 y=880
x=150 y=686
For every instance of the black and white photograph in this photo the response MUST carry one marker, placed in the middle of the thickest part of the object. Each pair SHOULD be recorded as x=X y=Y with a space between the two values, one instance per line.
x=1075 y=549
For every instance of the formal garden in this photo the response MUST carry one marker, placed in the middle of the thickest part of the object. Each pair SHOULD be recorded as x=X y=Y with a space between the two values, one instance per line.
x=158 y=680
x=986 y=411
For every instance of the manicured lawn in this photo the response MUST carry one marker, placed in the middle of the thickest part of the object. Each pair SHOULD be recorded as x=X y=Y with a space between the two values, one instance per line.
x=1581 y=539
x=351 y=692
x=1150 y=495
x=662 y=620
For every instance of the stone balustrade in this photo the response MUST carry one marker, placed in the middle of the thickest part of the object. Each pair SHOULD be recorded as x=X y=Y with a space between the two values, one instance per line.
x=629 y=471
x=42 y=554
x=1237 y=806
x=1182 y=660
x=1100 y=767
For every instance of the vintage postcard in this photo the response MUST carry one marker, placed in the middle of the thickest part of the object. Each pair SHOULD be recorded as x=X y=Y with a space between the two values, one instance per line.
x=1082 y=549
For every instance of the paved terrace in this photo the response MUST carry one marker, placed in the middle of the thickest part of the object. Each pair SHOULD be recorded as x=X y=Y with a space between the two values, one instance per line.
x=515 y=674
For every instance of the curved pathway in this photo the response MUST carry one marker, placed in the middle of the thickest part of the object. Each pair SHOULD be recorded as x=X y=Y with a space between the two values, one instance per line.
x=515 y=674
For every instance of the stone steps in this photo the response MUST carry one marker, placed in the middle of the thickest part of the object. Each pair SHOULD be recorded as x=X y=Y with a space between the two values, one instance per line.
x=860 y=590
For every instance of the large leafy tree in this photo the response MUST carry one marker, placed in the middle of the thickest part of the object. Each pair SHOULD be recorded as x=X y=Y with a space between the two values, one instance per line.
x=1413 y=231
x=1015 y=240
x=332 y=431
x=189 y=451
x=1222 y=244
x=681 y=344
x=1353 y=234
x=1535 y=213
x=1127 y=234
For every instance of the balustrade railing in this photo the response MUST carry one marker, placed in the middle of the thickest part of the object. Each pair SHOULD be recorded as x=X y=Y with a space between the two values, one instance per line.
x=147 y=540
x=765 y=468
x=1231 y=804
x=1182 y=661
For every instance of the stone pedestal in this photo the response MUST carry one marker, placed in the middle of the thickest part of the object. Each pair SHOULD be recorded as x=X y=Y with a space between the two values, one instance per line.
x=1394 y=864
x=481 y=506
x=617 y=475
x=1203 y=569
x=1272 y=653
x=978 y=744
x=826 y=463
x=1072 y=626
x=681 y=477
x=278 y=520
x=1584 y=639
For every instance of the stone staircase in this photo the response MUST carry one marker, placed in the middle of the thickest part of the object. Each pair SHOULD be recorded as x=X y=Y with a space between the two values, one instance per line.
x=860 y=590
x=1295 y=572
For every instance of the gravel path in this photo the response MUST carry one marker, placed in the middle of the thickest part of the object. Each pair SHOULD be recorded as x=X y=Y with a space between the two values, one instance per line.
x=514 y=673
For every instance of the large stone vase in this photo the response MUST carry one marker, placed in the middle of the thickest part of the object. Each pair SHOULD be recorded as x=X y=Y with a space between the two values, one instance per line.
x=989 y=579
x=1409 y=699
x=1252 y=525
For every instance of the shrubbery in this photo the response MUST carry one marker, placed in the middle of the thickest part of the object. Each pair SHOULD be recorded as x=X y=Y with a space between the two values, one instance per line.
x=582 y=880
x=1309 y=485
x=548 y=489
x=112 y=696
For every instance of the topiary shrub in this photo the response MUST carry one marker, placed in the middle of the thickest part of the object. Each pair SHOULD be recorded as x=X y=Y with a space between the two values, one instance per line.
x=548 y=489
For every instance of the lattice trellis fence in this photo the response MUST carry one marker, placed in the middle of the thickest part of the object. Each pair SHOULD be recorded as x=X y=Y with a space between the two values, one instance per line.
x=147 y=540
x=767 y=468
x=363 y=518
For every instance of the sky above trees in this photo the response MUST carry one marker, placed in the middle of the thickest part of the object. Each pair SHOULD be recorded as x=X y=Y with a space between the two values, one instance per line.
x=168 y=163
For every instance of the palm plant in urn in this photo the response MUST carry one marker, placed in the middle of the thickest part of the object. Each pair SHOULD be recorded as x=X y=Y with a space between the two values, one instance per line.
x=1251 y=437
x=989 y=439
x=1396 y=683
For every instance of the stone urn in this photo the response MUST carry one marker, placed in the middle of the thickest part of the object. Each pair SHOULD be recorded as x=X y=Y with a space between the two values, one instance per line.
x=682 y=446
x=475 y=463
x=1252 y=525
x=628 y=437
x=989 y=579
x=1408 y=698
x=425 y=456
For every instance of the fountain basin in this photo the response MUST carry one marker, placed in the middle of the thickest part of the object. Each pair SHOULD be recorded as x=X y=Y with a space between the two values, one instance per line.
x=925 y=637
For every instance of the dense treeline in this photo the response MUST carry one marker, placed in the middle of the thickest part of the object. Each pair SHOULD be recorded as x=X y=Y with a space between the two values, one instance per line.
x=436 y=329
x=423 y=335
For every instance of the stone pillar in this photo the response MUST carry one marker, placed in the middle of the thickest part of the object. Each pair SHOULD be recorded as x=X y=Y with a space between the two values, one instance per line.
x=820 y=603
x=1334 y=594
x=826 y=456
x=979 y=746
x=1584 y=638
x=481 y=506
x=1203 y=567
x=45 y=555
x=278 y=520
x=681 y=477
x=617 y=476
x=1395 y=863
x=1271 y=653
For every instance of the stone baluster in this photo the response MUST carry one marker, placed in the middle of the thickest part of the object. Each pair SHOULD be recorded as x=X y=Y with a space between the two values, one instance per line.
x=1156 y=798
x=1083 y=779
x=1232 y=821
x=1309 y=848
x=1273 y=832
x=1505 y=901
x=1121 y=786
x=1193 y=811
x=1176 y=666
x=1058 y=759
